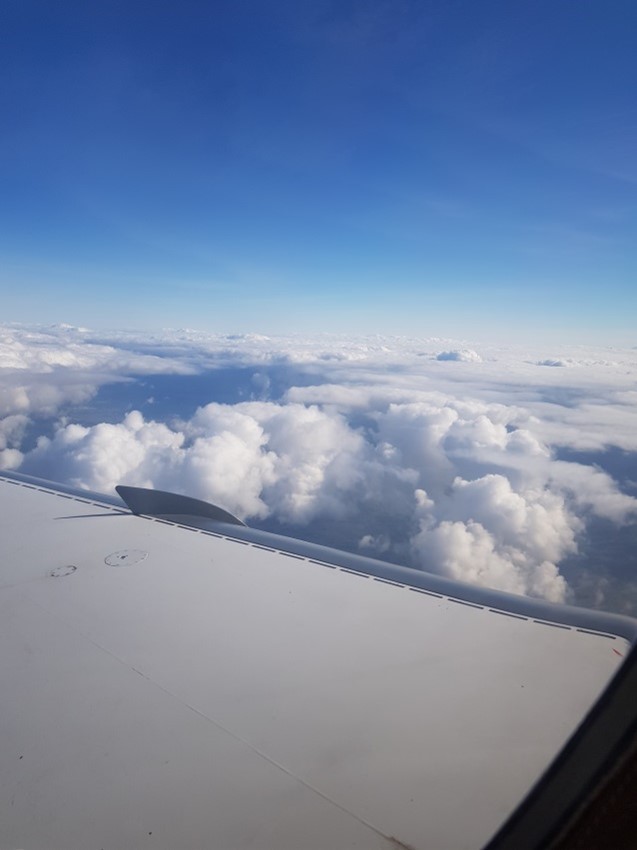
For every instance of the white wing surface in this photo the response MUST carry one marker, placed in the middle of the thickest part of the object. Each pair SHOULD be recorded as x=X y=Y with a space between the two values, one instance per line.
x=185 y=682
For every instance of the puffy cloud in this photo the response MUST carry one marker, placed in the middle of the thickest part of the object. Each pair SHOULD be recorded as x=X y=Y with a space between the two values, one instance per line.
x=485 y=532
x=508 y=531
x=377 y=545
x=41 y=370
x=297 y=463
x=104 y=455
x=42 y=350
x=254 y=458
x=46 y=370
x=455 y=470
x=44 y=395
x=593 y=489
x=12 y=430
x=468 y=552
x=462 y=355
x=588 y=424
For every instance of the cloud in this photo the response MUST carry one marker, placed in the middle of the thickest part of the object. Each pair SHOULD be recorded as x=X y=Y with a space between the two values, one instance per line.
x=463 y=355
x=42 y=350
x=486 y=532
x=452 y=470
x=594 y=490
x=468 y=552
x=46 y=370
x=12 y=431
x=296 y=463
x=105 y=454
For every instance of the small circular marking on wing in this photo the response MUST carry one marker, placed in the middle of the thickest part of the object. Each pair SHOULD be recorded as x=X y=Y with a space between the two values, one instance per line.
x=125 y=557
x=66 y=570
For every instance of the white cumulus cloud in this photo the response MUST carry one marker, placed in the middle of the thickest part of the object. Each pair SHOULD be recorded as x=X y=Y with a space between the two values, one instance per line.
x=459 y=470
x=462 y=355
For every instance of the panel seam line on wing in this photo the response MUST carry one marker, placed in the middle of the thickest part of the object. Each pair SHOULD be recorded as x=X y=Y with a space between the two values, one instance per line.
x=256 y=750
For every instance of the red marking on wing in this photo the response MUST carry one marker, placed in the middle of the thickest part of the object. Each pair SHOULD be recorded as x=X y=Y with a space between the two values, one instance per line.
x=617 y=652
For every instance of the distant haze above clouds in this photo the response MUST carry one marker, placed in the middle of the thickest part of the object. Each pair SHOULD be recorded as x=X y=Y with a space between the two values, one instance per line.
x=511 y=468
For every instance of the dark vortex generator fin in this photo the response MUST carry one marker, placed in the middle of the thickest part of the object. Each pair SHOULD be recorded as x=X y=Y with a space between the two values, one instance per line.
x=142 y=500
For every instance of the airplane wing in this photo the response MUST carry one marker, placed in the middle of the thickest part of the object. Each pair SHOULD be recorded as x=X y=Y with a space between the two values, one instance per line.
x=170 y=678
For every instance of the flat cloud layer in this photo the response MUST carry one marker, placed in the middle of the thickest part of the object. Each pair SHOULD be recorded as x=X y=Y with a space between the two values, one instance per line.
x=428 y=451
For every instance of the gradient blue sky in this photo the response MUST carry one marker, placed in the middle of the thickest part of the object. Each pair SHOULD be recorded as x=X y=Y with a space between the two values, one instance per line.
x=456 y=168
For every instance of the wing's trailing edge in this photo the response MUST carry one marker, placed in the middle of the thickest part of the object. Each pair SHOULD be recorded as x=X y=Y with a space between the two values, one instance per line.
x=168 y=671
x=586 y=799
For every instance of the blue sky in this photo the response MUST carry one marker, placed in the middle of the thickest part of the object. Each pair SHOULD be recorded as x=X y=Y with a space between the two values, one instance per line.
x=454 y=168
